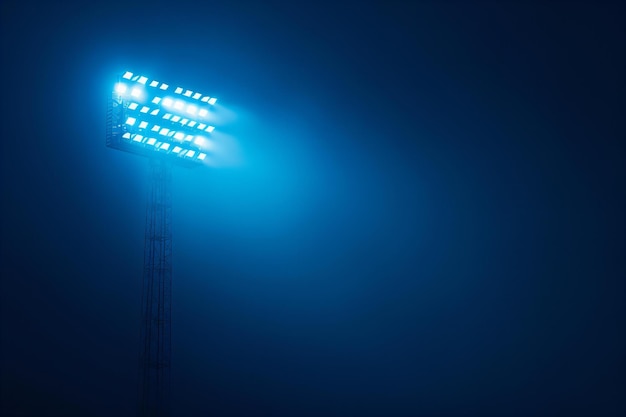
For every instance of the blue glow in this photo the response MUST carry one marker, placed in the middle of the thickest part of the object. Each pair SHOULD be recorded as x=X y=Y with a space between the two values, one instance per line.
x=191 y=109
x=179 y=136
x=156 y=100
x=203 y=112
x=176 y=118
x=201 y=126
x=192 y=123
x=189 y=138
x=197 y=96
x=210 y=129
x=120 y=88
x=136 y=92
x=167 y=101
x=184 y=122
x=201 y=156
x=179 y=105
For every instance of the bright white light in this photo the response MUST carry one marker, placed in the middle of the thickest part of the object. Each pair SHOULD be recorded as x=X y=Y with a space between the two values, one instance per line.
x=177 y=149
x=126 y=135
x=165 y=146
x=138 y=138
x=178 y=90
x=201 y=156
x=154 y=112
x=205 y=99
x=203 y=112
x=164 y=131
x=167 y=116
x=120 y=88
x=176 y=118
x=133 y=106
x=142 y=80
x=136 y=92
x=184 y=122
x=201 y=126
x=145 y=109
x=188 y=93
x=190 y=153
x=179 y=136
x=192 y=123
x=212 y=101
x=127 y=75
x=167 y=101
x=197 y=96
x=143 y=125
x=164 y=86
x=154 y=83
x=131 y=121
x=156 y=100
x=156 y=128
x=179 y=105
x=191 y=109
x=151 y=141
x=189 y=138
x=210 y=129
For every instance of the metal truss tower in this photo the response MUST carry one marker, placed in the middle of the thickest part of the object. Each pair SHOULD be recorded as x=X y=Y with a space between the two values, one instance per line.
x=156 y=306
x=169 y=126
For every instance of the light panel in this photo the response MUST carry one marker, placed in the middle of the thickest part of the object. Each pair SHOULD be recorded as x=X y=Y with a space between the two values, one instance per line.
x=144 y=102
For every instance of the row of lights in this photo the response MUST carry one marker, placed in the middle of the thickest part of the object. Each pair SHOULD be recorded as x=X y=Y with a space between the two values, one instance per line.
x=189 y=153
x=131 y=121
x=169 y=116
x=179 y=90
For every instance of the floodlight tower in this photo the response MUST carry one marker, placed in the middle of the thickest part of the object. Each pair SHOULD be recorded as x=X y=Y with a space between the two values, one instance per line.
x=169 y=127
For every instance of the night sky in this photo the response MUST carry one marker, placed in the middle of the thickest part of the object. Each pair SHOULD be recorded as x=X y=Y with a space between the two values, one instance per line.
x=413 y=209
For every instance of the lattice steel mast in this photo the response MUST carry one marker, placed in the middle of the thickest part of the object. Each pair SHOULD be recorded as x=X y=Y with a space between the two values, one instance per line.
x=156 y=306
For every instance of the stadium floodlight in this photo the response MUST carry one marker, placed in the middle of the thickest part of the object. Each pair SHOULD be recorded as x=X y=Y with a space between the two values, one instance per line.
x=139 y=103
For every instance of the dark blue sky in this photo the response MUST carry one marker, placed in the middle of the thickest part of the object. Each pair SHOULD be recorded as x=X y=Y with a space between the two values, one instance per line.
x=416 y=209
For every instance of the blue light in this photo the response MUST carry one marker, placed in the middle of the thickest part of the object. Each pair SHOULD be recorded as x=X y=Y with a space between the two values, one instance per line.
x=179 y=136
x=191 y=109
x=179 y=105
x=120 y=88
x=201 y=156
x=136 y=92
x=167 y=101
x=210 y=129
x=156 y=100
x=176 y=118
x=192 y=123
x=201 y=126
x=203 y=112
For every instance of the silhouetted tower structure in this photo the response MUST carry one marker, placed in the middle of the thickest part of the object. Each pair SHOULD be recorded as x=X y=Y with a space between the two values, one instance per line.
x=169 y=127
